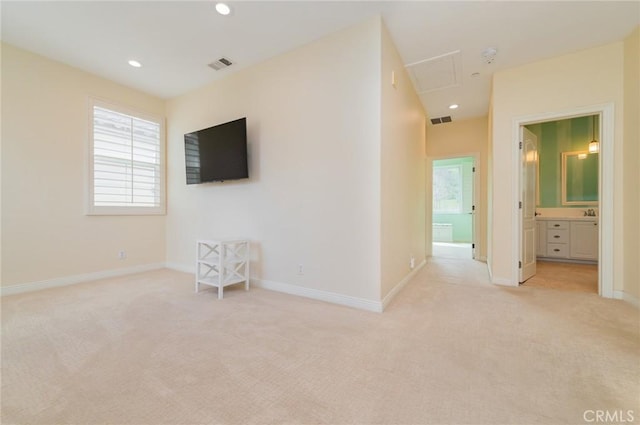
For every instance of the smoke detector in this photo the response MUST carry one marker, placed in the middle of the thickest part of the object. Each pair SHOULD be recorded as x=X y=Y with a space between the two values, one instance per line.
x=220 y=64
x=489 y=55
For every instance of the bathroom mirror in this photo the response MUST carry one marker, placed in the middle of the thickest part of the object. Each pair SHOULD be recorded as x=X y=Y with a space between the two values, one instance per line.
x=579 y=178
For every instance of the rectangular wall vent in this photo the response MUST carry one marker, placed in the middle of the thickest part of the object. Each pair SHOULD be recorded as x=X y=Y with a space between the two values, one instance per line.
x=220 y=64
x=440 y=120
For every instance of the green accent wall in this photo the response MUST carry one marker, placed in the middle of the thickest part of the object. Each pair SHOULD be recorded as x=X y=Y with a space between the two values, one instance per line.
x=554 y=138
x=461 y=223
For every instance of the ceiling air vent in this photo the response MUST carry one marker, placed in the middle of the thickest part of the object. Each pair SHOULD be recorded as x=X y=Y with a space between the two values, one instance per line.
x=220 y=64
x=440 y=120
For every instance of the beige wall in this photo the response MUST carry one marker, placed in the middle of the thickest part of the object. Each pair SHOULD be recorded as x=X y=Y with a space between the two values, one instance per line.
x=402 y=171
x=489 y=199
x=313 y=196
x=45 y=233
x=462 y=138
x=631 y=161
x=589 y=77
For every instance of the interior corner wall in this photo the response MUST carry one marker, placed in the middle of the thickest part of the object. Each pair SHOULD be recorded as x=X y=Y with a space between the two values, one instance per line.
x=313 y=195
x=45 y=127
x=402 y=171
x=631 y=196
x=1 y=48
x=588 y=77
x=489 y=199
x=461 y=138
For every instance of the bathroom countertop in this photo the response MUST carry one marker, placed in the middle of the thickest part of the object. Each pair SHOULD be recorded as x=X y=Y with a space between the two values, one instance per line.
x=584 y=218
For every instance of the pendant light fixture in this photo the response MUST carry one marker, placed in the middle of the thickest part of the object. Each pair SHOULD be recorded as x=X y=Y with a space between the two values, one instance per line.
x=594 y=146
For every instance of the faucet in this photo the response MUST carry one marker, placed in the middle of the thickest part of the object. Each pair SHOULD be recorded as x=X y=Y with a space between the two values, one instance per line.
x=590 y=213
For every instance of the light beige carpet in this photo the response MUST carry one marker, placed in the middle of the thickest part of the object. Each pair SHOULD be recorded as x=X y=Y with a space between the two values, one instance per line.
x=146 y=349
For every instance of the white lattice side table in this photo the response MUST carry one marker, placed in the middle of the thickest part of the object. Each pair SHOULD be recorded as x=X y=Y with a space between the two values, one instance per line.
x=221 y=263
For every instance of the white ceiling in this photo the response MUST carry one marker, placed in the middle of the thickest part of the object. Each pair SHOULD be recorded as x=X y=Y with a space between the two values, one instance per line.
x=175 y=40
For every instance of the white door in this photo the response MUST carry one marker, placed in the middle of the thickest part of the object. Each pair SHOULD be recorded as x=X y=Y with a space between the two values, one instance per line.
x=529 y=160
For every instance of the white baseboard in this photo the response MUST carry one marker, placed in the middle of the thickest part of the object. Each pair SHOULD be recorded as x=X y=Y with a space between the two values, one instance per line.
x=301 y=291
x=498 y=280
x=316 y=294
x=621 y=295
x=80 y=278
x=502 y=281
x=181 y=268
x=392 y=294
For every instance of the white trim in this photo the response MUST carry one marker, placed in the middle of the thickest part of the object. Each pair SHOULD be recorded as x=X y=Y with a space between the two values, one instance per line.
x=606 y=188
x=563 y=175
x=499 y=280
x=80 y=278
x=396 y=289
x=90 y=208
x=502 y=281
x=181 y=268
x=301 y=291
x=625 y=296
x=316 y=294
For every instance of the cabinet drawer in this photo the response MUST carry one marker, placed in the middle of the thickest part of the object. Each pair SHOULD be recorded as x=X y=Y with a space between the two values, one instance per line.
x=557 y=236
x=557 y=250
x=557 y=224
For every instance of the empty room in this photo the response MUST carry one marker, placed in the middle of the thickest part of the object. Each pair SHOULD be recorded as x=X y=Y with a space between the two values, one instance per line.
x=312 y=212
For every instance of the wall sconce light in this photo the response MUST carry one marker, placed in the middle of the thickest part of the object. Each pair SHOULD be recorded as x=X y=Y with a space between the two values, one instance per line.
x=594 y=146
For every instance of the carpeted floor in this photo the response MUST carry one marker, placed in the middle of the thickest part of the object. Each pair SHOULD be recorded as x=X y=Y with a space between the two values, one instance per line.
x=145 y=349
x=451 y=250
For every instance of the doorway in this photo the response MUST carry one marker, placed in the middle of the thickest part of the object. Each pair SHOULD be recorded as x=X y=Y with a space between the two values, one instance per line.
x=453 y=207
x=564 y=174
x=604 y=208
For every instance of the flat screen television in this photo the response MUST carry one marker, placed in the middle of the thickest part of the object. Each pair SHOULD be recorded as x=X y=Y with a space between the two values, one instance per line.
x=217 y=153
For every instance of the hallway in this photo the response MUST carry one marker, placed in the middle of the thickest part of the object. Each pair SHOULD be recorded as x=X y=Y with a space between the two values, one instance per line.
x=451 y=250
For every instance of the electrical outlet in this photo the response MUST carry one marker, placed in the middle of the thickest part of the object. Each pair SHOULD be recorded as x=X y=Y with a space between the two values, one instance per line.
x=122 y=255
x=412 y=263
x=300 y=269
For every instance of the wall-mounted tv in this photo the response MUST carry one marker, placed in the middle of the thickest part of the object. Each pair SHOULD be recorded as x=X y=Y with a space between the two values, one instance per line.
x=217 y=153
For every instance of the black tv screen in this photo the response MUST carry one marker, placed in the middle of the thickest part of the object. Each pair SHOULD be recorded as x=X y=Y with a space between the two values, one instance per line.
x=217 y=153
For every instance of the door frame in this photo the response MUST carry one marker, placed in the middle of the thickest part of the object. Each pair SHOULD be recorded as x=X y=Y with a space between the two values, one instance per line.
x=475 y=196
x=605 y=185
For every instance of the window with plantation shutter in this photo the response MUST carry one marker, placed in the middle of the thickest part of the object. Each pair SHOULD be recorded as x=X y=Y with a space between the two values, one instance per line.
x=126 y=162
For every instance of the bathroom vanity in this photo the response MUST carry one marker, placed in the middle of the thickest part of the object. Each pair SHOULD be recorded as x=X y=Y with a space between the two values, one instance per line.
x=567 y=239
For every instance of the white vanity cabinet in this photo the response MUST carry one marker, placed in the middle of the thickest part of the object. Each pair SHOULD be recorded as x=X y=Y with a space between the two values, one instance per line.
x=541 y=241
x=558 y=239
x=567 y=239
x=584 y=240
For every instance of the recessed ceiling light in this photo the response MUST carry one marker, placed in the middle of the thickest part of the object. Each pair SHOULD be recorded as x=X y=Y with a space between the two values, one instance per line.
x=223 y=8
x=135 y=63
x=454 y=106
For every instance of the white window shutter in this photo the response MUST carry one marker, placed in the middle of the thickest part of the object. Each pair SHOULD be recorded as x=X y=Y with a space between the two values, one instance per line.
x=126 y=163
